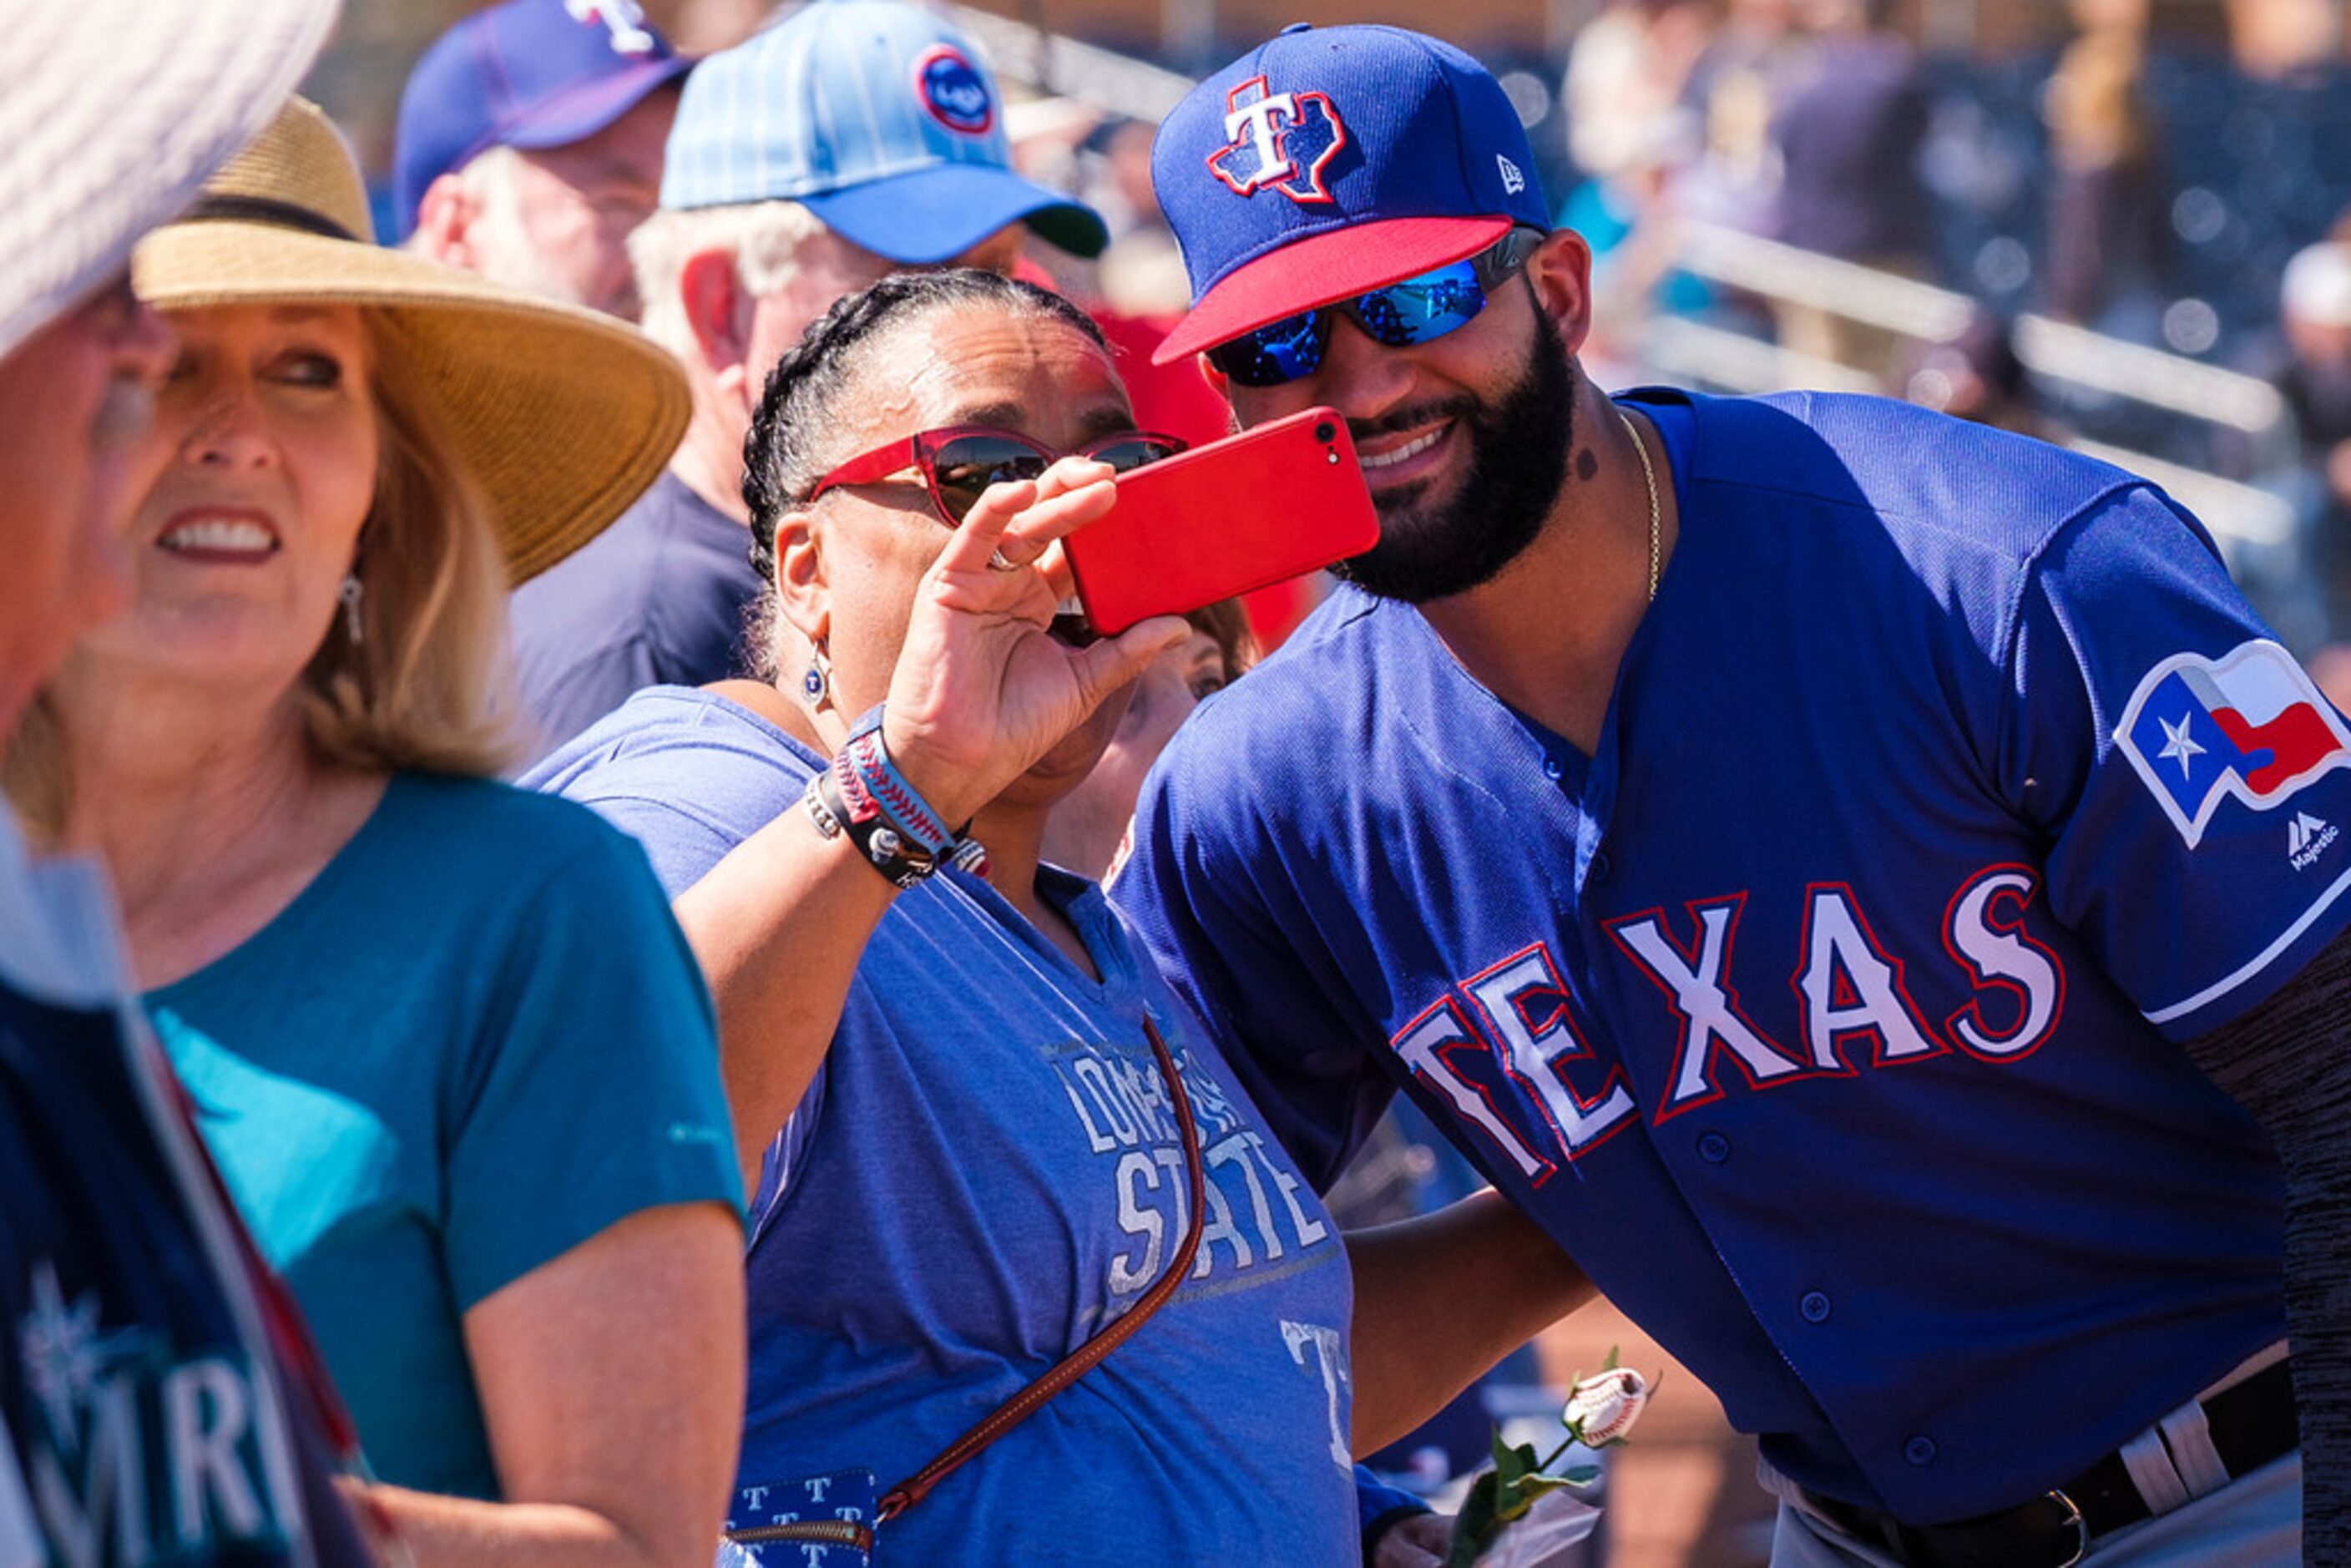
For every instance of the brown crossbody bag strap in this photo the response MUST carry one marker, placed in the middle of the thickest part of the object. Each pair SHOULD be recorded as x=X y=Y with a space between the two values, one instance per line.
x=898 y=1499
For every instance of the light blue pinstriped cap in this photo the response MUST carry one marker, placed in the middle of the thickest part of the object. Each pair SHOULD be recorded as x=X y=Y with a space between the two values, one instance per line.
x=878 y=117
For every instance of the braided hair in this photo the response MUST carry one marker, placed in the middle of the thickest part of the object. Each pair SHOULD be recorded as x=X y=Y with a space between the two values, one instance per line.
x=780 y=451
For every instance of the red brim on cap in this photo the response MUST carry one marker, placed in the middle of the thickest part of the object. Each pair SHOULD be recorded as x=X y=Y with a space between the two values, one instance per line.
x=1320 y=268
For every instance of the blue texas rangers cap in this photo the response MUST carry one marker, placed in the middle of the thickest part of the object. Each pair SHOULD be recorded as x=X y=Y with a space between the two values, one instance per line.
x=529 y=74
x=876 y=117
x=1328 y=162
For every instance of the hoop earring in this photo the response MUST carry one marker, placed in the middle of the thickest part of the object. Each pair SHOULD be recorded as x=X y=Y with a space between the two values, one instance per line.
x=816 y=681
x=349 y=595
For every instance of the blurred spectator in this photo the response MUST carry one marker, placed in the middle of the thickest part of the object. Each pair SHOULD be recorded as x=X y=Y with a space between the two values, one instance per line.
x=2108 y=226
x=2315 y=316
x=1737 y=86
x=1977 y=376
x=1087 y=831
x=854 y=138
x=2330 y=668
x=1853 y=119
x=529 y=147
x=1141 y=271
x=1850 y=130
x=1625 y=73
x=2283 y=40
x=1629 y=215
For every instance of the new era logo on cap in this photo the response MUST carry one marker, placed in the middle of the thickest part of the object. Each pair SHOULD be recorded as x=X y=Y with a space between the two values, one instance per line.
x=1396 y=153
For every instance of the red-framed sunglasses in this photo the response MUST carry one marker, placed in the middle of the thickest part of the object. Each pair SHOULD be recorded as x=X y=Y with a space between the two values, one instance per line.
x=959 y=463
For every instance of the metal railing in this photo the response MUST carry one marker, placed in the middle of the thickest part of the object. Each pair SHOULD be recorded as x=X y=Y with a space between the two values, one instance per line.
x=2239 y=515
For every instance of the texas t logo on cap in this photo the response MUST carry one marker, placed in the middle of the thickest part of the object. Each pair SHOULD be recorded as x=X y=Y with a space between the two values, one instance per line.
x=1429 y=166
x=1280 y=141
x=625 y=18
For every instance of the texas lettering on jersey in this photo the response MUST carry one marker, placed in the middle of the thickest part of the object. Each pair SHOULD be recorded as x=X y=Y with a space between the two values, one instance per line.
x=1509 y=1030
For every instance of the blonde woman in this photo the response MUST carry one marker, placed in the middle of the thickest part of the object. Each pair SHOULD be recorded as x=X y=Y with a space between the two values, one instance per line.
x=443 y=1038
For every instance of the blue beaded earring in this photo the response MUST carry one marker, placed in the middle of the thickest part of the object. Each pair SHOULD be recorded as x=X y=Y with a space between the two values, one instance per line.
x=816 y=681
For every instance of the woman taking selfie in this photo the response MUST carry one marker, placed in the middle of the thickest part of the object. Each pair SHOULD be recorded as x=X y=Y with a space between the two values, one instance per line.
x=440 y=1035
x=959 y=1088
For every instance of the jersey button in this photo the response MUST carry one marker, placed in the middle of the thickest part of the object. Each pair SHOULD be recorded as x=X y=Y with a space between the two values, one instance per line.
x=1551 y=768
x=1600 y=867
x=1816 y=1306
x=1919 y=1451
x=1297 y=27
x=1714 y=1148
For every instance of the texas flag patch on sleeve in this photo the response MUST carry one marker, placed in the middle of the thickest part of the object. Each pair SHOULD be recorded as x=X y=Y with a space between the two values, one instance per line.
x=2248 y=726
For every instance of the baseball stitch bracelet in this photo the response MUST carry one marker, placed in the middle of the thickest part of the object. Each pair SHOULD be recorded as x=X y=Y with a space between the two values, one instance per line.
x=862 y=794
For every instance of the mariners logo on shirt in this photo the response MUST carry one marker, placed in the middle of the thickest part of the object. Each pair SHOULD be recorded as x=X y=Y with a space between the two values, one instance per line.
x=2248 y=726
x=1278 y=140
x=133 y=1453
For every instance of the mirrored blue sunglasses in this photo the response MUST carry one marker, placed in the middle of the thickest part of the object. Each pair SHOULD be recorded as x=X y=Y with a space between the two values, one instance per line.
x=1416 y=311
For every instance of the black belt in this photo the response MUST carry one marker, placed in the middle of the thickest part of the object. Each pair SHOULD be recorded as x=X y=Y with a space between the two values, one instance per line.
x=2253 y=1424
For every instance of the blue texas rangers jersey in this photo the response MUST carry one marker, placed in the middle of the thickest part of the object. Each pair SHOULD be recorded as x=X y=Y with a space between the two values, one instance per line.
x=1828 y=1014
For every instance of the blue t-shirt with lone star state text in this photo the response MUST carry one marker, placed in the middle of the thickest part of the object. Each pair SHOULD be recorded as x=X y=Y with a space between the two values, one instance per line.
x=989 y=1172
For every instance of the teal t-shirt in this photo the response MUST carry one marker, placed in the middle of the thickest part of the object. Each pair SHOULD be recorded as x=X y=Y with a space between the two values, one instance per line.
x=474 y=1040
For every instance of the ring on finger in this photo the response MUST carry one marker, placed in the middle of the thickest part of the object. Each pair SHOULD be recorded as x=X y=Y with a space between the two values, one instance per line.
x=997 y=562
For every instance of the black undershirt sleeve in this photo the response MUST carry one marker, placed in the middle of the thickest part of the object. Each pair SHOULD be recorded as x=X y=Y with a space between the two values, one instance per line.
x=2288 y=1062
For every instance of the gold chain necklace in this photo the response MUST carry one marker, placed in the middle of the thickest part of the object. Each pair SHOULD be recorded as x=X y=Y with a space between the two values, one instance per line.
x=1649 y=475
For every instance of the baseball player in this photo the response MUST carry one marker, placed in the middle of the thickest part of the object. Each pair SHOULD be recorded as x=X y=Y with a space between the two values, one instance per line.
x=1866 y=885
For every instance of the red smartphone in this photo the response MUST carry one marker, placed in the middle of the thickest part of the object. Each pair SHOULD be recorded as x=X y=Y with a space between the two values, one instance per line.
x=1220 y=519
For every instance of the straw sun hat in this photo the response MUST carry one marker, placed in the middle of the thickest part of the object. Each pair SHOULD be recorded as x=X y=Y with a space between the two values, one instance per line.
x=562 y=416
x=112 y=113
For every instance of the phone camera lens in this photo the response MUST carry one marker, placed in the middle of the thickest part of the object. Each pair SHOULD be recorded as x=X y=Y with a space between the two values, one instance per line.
x=1325 y=430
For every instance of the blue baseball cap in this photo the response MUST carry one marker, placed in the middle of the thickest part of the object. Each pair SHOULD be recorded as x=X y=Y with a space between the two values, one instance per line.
x=528 y=74
x=1330 y=162
x=877 y=118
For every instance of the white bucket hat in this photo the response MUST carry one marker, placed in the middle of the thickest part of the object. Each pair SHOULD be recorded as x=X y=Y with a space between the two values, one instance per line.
x=112 y=113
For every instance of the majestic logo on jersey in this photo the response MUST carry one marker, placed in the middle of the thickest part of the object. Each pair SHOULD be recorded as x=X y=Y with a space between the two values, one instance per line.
x=953 y=91
x=624 y=18
x=133 y=1454
x=2248 y=726
x=2306 y=838
x=1280 y=142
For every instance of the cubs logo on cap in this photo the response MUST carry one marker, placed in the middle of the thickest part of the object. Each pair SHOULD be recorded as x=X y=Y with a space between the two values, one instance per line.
x=875 y=116
x=2247 y=727
x=1392 y=153
x=953 y=91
